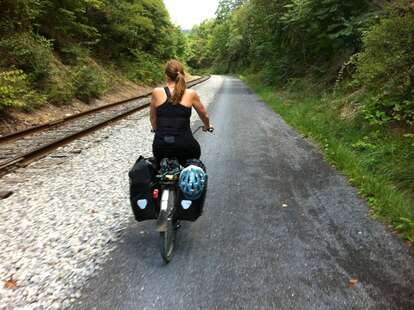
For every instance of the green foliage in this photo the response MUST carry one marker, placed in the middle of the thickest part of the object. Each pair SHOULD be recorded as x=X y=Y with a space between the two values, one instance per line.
x=67 y=21
x=88 y=83
x=364 y=145
x=18 y=15
x=54 y=42
x=327 y=41
x=141 y=66
x=227 y=7
x=15 y=90
x=73 y=54
x=406 y=224
x=199 y=50
x=142 y=25
x=60 y=92
x=288 y=38
x=28 y=52
x=385 y=67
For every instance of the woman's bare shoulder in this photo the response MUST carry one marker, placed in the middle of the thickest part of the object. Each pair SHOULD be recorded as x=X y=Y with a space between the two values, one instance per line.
x=191 y=92
x=157 y=90
x=158 y=96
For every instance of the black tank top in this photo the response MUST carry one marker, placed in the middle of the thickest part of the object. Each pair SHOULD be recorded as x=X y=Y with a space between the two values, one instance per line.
x=172 y=119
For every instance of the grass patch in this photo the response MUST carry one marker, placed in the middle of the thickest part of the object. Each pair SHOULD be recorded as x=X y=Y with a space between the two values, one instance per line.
x=376 y=160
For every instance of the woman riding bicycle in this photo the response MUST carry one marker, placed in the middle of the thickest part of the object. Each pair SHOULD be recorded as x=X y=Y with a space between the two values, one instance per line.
x=170 y=117
x=182 y=190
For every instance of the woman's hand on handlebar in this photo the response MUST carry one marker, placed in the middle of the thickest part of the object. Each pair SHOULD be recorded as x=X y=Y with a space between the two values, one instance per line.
x=208 y=129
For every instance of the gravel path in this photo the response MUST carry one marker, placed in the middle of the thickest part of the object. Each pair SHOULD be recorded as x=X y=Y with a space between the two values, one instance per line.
x=68 y=211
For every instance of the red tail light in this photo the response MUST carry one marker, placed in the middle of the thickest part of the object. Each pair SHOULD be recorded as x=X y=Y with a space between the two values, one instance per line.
x=155 y=193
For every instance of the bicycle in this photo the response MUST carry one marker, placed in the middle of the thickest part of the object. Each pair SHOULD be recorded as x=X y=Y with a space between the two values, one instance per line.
x=167 y=223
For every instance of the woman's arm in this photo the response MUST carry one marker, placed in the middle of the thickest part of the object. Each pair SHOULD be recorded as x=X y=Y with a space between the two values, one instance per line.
x=201 y=111
x=153 y=110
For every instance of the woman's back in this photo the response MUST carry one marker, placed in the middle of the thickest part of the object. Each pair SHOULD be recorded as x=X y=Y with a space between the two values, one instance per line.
x=173 y=136
x=187 y=99
x=172 y=118
x=170 y=113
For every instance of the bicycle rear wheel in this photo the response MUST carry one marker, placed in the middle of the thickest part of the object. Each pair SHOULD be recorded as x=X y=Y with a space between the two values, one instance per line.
x=168 y=236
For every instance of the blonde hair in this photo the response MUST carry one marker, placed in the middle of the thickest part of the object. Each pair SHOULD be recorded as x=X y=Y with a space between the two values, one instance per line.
x=175 y=72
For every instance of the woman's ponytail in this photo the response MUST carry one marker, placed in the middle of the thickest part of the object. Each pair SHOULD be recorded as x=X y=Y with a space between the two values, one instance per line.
x=175 y=73
x=180 y=87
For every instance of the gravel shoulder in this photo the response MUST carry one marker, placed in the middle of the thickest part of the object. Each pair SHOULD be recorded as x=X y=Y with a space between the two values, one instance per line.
x=69 y=210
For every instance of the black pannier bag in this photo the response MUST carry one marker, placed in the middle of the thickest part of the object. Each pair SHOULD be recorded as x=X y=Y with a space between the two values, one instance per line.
x=191 y=210
x=141 y=186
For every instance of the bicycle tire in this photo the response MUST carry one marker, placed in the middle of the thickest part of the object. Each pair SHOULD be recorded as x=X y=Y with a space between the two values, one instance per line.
x=168 y=237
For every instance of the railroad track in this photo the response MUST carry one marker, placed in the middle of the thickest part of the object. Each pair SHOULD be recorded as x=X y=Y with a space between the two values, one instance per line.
x=23 y=147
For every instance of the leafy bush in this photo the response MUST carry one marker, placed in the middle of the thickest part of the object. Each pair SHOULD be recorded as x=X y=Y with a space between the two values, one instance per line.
x=28 y=52
x=386 y=66
x=88 y=82
x=18 y=15
x=60 y=94
x=15 y=91
x=74 y=54
x=143 y=68
x=60 y=88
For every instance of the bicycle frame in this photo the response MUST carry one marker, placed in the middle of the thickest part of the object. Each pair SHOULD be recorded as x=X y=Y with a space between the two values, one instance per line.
x=168 y=183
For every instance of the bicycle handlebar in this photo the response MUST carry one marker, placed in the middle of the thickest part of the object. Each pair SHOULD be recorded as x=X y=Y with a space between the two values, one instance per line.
x=210 y=130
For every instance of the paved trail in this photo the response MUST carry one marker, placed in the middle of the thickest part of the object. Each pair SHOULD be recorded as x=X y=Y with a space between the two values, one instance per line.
x=281 y=230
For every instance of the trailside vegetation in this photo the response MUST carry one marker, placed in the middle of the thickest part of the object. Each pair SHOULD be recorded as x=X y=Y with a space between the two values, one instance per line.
x=54 y=51
x=359 y=44
x=342 y=72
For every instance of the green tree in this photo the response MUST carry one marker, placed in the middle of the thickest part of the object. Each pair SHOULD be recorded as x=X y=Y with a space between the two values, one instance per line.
x=199 y=53
x=226 y=8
